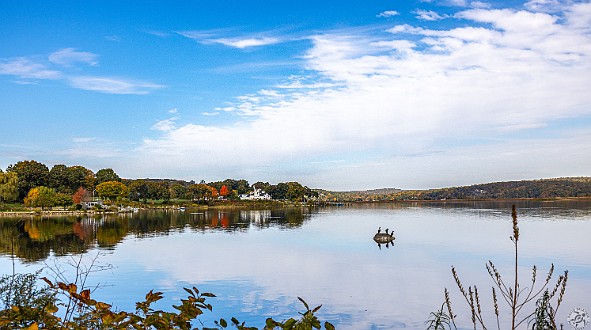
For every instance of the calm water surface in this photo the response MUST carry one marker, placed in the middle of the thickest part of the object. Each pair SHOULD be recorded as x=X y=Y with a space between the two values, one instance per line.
x=259 y=262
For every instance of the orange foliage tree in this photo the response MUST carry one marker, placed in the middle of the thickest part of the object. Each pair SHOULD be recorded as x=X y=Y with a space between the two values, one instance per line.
x=80 y=195
x=224 y=191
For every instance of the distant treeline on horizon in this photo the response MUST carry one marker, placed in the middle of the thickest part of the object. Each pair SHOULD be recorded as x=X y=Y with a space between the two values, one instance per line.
x=543 y=188
x=67 y=179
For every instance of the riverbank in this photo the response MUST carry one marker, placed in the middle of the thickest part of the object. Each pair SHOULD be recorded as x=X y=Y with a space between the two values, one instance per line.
x=221 y=205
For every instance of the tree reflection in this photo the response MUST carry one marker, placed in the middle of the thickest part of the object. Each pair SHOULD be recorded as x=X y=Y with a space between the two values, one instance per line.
x=36 y=238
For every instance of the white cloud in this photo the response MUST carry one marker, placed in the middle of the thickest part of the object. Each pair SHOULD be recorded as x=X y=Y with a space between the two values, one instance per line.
x=30 y=69
x=83 y=139
x=459 y=3
x=242 y=43
x=91 y=148
x=200 y=35
x=548 y=6
x=114 y=38
x=579 y=16
x=111 y=85
x=388 y=13
x=165 y=125
x=405 y=28
x=479 y=4
x=439 y=90
x=69 y=56
x=27 y=69
x=429 y=15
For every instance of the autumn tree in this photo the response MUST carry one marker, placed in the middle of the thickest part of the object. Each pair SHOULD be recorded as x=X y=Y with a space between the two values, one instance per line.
x=214 y=192
x=112 y=190
x=30 y=174
x=241 y=186
x=8 y=187
x=40 y=197
x=224 y=191
x=81 y=195
x=202 y=192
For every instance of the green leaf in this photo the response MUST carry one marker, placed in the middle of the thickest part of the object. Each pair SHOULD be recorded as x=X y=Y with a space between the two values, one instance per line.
x=223 y=323
x=316 y=323
x=328 y=326
x=289 y=324
x=270 y=323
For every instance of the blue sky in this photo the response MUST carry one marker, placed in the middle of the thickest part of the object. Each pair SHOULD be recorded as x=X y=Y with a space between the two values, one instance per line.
x=337 y=95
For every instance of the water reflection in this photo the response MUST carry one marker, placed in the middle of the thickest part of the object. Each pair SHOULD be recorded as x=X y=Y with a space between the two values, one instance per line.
x=259 y=261
x=36 y=238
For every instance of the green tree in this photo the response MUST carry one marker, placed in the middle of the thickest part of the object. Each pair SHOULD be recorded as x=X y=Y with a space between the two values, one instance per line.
x=112 y=190
x=149 y=189
x=58 y=178
x=178 y=191
x=80 y=176
x=8 y=186
x=40 y=197
x=279 y=191
x=295 y=191
x=158 y=190
x=265 y=186
x=63 y=199
x=106 y=174
x=30 y=174
x=138 y=189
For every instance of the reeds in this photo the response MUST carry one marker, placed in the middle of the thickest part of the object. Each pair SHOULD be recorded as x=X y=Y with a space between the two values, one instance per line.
x=542 y=317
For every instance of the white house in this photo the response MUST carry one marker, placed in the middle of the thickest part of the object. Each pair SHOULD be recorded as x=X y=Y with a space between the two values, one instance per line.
x=92 y=202
x=256 y=194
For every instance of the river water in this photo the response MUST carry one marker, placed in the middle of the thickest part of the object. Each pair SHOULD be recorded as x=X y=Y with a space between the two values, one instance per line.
x=257 y=262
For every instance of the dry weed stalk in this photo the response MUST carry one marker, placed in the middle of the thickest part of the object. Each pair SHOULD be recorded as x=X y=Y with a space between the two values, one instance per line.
x=515 y=297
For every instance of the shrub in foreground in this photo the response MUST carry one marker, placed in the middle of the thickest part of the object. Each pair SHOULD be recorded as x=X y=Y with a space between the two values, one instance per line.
x=26 y=307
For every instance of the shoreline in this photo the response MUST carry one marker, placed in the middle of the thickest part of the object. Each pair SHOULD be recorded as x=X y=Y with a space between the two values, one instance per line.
x=225 y=205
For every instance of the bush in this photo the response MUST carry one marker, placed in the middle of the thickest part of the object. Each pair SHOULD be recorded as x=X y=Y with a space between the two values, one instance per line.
x=25 y=306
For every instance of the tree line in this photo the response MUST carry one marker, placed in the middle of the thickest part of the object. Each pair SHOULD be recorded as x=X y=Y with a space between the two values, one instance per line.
x=34 y=184
x=544 y=188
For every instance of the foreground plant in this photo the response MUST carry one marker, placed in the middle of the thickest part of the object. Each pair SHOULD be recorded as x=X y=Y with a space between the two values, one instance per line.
x=516 y=297
x=25 y=307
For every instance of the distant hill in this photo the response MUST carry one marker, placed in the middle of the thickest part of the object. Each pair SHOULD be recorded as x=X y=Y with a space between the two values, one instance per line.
x=544 y=188
x=359 y=195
